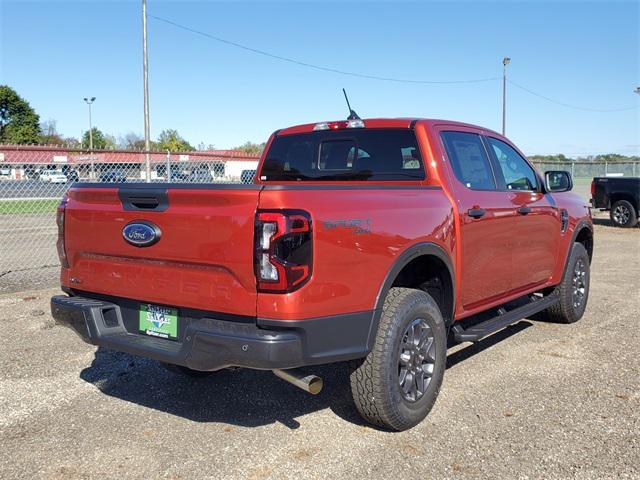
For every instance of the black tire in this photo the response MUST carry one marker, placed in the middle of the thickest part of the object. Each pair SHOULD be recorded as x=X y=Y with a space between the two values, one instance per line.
x=623 y=214
x=571 y=306
x=376 y=380
x=186 y=371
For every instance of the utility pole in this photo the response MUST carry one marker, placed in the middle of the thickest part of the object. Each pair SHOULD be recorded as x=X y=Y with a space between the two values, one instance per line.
x=505 y=62
x=89 y=101
x=145 y=72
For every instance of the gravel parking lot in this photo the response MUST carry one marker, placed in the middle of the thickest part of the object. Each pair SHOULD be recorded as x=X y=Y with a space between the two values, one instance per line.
x=537 y=400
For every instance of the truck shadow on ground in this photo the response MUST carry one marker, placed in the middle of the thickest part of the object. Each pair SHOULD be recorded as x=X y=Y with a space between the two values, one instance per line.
x=247 y=398
x=475 y=348
x=603 y=221
x=608 y=223
x=239 y=397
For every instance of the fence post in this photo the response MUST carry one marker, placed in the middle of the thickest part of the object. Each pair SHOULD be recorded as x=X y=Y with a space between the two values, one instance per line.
x=168 y=166
x=606 y=168
x=573 y=173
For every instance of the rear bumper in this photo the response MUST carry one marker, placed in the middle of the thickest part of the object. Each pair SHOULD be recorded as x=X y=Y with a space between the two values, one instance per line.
x=208 y=343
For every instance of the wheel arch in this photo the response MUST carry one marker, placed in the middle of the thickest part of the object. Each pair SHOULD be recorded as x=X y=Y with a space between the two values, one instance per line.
x=583 y=233
x=438 y=266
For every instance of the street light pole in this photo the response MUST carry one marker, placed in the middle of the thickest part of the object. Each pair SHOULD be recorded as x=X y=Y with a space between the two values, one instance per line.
x=89 y=101
x=505 y=62
x=145 y=72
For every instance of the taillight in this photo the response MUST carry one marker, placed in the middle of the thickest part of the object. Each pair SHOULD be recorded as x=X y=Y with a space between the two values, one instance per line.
x=283 y=254
x=593 y=188
x=62 y=254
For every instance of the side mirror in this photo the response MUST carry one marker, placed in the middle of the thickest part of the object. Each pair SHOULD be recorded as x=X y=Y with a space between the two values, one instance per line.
x=558 y=181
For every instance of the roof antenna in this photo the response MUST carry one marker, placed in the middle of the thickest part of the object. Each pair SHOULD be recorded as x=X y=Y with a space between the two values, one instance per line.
x=352 y=115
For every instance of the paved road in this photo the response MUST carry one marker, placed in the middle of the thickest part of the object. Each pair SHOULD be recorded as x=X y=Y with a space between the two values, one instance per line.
x=538 y=400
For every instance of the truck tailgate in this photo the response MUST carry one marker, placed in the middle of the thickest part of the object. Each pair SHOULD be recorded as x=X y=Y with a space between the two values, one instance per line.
x=203 y=259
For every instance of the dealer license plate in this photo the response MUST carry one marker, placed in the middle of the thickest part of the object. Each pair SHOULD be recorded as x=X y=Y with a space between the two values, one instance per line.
x=158 y=321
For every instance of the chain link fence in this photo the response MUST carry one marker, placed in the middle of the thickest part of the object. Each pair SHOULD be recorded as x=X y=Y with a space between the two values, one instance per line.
x=583 y=170
x=33 y=179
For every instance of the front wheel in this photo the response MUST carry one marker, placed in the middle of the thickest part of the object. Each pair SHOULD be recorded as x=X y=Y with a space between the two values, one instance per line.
x=623 y=214
x=397 y=384
x=574 y=288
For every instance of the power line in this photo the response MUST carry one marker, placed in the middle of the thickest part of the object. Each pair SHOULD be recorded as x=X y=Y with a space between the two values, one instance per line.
x=375 y=77
x=317 y=67
x=587 y=109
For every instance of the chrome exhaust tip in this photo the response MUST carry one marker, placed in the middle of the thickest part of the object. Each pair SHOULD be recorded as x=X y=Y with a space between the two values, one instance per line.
x=309 y=383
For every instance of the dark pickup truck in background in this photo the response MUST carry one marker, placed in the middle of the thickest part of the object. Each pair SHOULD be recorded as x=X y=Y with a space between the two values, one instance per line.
x=621 y=196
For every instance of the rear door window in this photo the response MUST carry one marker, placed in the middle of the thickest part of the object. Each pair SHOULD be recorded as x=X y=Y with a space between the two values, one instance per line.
x=354 y=154
x=469 y=160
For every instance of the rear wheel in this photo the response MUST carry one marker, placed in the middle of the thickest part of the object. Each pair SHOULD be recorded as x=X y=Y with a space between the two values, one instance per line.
x=397 y=384
x=623 y=214
x=574 y=288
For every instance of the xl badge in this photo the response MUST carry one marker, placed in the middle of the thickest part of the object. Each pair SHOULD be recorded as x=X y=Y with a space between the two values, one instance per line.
x=141 y=234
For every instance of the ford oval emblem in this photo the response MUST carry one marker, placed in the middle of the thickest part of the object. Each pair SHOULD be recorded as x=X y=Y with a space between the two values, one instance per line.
x=141 y=234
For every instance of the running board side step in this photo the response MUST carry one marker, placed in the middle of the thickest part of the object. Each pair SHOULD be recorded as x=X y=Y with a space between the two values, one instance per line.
x=480 y=330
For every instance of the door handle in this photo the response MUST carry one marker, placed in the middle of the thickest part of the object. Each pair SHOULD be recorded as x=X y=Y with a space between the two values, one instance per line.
x=476 y=212
x=524 y=210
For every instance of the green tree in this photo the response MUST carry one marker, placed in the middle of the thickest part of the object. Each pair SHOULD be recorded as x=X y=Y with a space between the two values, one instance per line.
x=172 y=141
x=19 y=123
x=100 y=140
x=251 y=148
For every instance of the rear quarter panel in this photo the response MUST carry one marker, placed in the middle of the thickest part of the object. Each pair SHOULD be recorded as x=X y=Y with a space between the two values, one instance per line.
x=358 y=233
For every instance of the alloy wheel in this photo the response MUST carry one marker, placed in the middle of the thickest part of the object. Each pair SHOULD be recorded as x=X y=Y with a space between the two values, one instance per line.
x=416 y=360
x=621 y=214
x=579 y=283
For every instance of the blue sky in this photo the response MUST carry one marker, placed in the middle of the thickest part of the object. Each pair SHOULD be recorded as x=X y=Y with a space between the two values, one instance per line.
x=582 y=53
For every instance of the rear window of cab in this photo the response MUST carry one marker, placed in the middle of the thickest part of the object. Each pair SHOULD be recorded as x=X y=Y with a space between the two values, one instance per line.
x=333 y=155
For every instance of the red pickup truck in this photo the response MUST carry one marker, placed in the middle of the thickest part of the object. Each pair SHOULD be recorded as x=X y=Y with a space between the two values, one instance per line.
x=374 y=241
